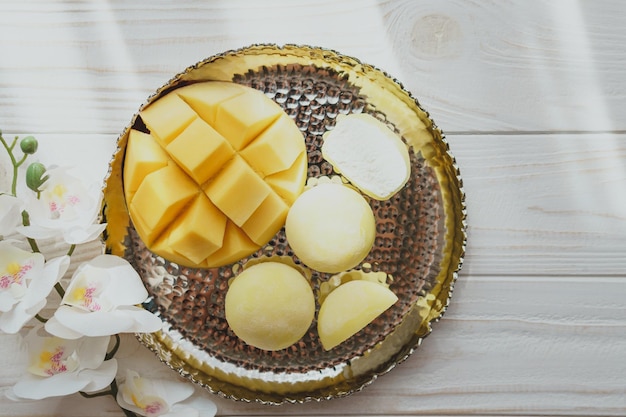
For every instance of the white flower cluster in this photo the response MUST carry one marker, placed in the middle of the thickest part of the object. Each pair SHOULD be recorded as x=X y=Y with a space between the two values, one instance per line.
x=69 y=352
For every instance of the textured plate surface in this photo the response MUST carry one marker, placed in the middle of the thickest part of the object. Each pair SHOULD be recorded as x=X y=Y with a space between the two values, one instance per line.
x=420 y=237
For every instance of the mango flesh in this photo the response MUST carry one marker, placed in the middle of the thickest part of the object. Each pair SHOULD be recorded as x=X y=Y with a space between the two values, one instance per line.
x=349 y=308
x=195 y=183
x=330 y=227
x=270 y=305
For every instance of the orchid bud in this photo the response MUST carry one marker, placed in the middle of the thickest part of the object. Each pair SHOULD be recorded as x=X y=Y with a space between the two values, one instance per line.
x=35 y=176
x=29 y=145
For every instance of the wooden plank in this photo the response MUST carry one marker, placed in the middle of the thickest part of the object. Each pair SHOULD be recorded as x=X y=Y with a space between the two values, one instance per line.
x=496 y=66
x=506 y=346
x=513 y=65
x=544 y=204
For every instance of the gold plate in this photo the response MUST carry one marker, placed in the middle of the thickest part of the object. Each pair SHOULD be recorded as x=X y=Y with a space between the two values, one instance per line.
x=421 y=237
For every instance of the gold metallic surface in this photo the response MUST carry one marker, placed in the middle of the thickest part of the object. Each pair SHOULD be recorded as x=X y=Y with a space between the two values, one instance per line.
x=421 y=237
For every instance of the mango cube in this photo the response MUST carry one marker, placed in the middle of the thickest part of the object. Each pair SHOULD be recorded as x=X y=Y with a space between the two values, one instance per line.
x=204 y=98
x=290 y=182
x=273 y=150
x=200 y=151
x=160 y=197
x=143 y=156
x=235 y=246
x=199 y=232
x=266 y=219
x=167 y=117
x=243 y=117
x=238 y=191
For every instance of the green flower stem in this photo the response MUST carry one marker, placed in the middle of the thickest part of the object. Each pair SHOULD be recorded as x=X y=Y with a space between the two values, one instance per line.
x=21 y=161
x=59 y=289
x=71 y=250
x=115 y=348
x=13 y=162
x=33 y=244
x=112 y=392
x=41 y=319
x=97 y=394
x=26 y=222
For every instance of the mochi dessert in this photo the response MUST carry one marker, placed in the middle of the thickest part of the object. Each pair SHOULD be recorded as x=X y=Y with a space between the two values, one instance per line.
x=330 y=227
x=270 y=305
x=369 y=154
x=349 y=308
x=212 y=179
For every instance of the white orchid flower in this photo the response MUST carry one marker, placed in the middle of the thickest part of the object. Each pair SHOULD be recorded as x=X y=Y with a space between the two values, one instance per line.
x=58 y=367
x=161 y=397
x=101 y=300
x=10 y=214
x=65 y=207
x=25 y=282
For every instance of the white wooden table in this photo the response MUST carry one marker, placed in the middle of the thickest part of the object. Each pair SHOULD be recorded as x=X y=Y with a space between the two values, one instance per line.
x=532 y=97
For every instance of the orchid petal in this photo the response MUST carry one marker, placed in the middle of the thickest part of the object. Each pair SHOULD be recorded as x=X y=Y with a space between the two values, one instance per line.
x=99 y=378
x=182 y=411
x=125 y=285
x=152 y=397
x=53 y=271
x=204 y=406
x=12 y=321
x=77 y=235
x=36 y=387
x=54 y=327
x=7 y=301
x=100 y=323
x=92 y=351
x=10 y=208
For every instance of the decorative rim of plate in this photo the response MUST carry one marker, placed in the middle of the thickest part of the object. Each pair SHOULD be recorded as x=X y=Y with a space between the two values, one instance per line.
x=172 y=348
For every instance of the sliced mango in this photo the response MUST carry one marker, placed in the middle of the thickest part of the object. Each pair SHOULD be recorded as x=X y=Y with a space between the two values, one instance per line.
x=143 y=156
x=289 y=183
x=201 y=133
x=244 y=117
x=160 y=197
x=199 y=232
x=204 y=98
x=200 y=151
x=238 y=191
x=167 y=117
x=274 y=150
x=235 y=246
x=266 y=219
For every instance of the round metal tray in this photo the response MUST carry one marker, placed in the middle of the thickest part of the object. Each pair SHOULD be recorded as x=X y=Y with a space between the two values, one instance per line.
x=420 y=243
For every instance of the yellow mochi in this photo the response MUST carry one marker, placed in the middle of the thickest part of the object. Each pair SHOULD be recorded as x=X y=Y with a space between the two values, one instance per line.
x=349 y=308
x=270 y=305
x=195 y=184
x=330 y=227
